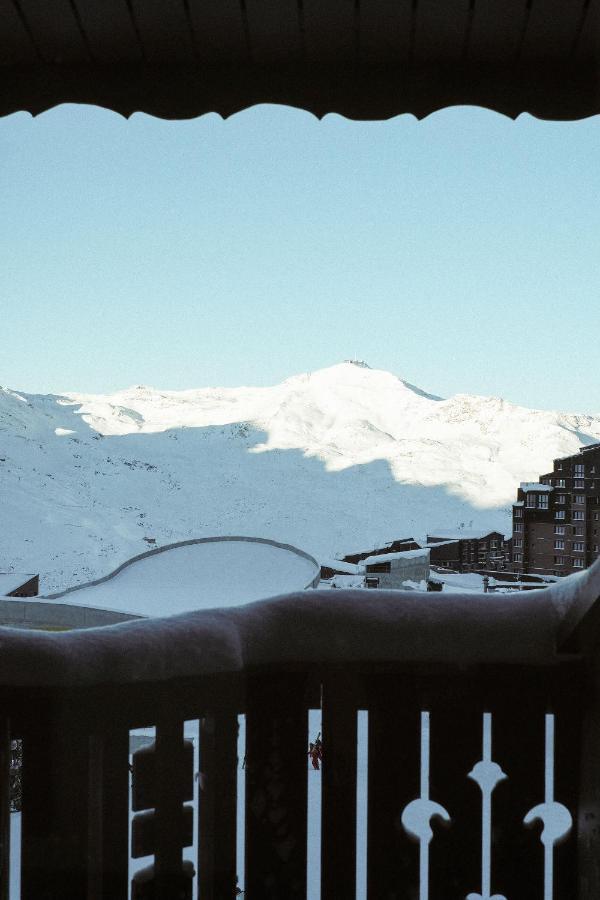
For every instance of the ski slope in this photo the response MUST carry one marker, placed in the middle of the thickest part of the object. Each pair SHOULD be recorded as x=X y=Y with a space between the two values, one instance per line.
x=344 y=457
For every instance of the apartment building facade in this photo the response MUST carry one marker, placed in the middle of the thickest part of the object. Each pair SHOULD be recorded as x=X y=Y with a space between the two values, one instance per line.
x=556 y=521
x=468 y=551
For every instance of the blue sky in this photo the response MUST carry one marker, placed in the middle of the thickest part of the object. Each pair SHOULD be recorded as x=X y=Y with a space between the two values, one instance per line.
x=461 y=252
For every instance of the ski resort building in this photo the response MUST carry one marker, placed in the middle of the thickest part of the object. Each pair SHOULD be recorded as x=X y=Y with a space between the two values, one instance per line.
x=14 y=585
x=332 y=567
x=468 y=551
x=556 y=521
x=406 y=570
x=198 y=574
x=396 y=546
x=462 y=550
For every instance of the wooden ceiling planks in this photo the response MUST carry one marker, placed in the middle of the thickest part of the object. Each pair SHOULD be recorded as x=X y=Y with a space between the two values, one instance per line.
x=496 y=30
x=16 y=46
x=366 y=59
x=440 y=30
x=110 y=30
x=330 y=31
x=551 y=29
x=587 y=46
x=164 y=31
x=55 y=30
x=274 y=31
x=385 y=36
x=219 y=32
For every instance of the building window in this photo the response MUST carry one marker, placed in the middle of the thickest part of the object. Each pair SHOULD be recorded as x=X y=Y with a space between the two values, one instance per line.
x=561 y=498
x=578 y=546
x=561 y=482
x=518 y=512
x=579 y=498
x=559 y=545
x=595 y=548
x=579 y=470
x=559 y=529
x=519 y=526
x=578 y=564
x=559 y=514
x=578 y=514
x=518 y=557
x=379 y=567
x=543 y=501
x=579 y=483
x=579 y=530
x=518 y=542
x=596 y=517
x=559 y=465
x=559 y=560
x=531 y=501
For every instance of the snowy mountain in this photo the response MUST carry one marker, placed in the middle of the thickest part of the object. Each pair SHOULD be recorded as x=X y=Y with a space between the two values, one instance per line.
x=341 y=458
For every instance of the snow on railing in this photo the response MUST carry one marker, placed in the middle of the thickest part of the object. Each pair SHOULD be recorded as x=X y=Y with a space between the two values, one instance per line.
x=315 y=626
x=437 y=676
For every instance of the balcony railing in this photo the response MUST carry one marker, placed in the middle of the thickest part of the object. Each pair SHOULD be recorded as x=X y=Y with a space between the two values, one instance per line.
x=483 y=747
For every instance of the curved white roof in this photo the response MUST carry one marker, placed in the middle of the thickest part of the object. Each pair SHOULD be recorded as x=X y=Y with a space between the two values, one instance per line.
x=203 y=574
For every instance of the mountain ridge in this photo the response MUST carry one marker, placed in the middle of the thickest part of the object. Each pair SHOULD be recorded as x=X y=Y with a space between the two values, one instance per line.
x=343 y=456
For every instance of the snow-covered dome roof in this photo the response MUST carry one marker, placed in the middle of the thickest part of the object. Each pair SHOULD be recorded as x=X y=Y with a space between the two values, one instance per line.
x=199 y=574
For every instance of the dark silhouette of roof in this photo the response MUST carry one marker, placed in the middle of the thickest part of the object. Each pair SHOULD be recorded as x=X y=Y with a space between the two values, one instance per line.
x=371 y=59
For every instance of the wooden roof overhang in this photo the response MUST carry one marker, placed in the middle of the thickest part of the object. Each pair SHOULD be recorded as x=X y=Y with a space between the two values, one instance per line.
x=365 y=59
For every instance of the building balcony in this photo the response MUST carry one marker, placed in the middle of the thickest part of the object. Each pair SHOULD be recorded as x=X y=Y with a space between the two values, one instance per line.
x=465 y=696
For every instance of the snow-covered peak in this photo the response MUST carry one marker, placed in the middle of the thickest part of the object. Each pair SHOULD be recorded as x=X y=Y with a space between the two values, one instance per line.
x=358 y=375
x=361 y=363
x=342 y=457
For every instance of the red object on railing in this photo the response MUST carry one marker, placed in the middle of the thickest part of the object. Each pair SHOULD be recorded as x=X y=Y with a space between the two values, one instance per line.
x=315 y=751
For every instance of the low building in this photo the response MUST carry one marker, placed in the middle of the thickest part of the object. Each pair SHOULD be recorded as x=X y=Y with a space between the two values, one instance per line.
x=396 y=546
x=404 y=570
x=468 y=550
x=13 y=584
x=332 y=567
x=445 y=554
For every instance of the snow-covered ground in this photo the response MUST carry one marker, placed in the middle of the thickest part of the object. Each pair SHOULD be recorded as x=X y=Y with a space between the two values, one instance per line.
x=460 y=582
x=343 y=457
x=199 y=576
x=470 y=582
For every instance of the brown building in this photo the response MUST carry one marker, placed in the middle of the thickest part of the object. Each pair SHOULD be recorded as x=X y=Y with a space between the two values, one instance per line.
x=468 y=551
x=396 y=546
x=15 y=585
x=556 y=521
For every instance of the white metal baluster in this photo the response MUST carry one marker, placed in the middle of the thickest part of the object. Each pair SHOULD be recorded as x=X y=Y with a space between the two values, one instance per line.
x=417 y=816
x=555 y=817
x=487 y=774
